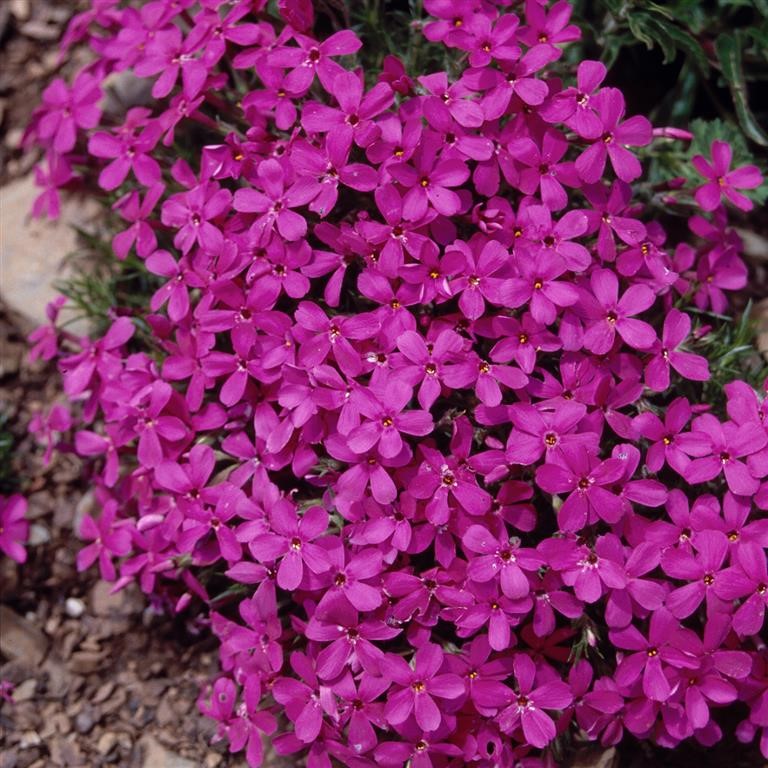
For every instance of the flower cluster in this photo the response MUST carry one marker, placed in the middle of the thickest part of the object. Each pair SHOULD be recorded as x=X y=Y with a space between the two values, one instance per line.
x=412 y=415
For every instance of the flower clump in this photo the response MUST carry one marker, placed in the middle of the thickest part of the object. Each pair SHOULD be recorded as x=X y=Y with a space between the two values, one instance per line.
x=411 y=417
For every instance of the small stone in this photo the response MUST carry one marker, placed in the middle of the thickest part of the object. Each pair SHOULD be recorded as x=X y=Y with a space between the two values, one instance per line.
x=19 y=9
x=157 y=756
x=84 y=721
x=20 y=639
x=126 y=602
x=25 y=691
x=74 y=607
x=106 y=743
x=38 y=534
x=103 y=692
x=30 y=739
x=85 y=662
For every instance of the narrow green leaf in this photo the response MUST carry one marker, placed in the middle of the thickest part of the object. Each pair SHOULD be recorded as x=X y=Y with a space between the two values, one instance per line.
x=682 y=41
x=728 y=50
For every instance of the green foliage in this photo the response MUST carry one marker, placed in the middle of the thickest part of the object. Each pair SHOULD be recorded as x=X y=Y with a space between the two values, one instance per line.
x=731 y=348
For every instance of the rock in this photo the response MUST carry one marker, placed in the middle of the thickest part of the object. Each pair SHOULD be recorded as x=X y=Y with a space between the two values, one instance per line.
x=30 y=739
x=85 y=662
x=13 y=138
x=20 y=639
x=84 y=720
x=106 y=743
x=20 y=9
x=34 y=251
x=155 y=755
x=126 y=602
x=38 y=534
x=74 y=607
x=25 y=691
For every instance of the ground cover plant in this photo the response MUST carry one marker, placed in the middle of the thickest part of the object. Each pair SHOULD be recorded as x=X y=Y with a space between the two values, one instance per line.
x=409 y=384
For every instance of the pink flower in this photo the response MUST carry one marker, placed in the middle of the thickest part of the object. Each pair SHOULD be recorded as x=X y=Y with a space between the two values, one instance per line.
x=746 y=580
x=419 y=686
x=611 y=315
x=14 y=528
x=109 y=539
x=723 y=182
x=664 y=649
x=292 y=543
x=615 y=136
x=354 y=119
x=274 y=204
x=500 y=556
x=666 y=355
x=429 y=181
x=65 y=110
x=577 y=471
x=525 y=707
x=386 y=419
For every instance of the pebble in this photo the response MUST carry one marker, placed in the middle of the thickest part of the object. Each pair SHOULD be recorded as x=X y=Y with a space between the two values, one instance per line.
x=74 y=607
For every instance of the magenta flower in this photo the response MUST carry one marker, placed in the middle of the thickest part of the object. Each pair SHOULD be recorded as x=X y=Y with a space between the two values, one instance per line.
x=169 y=55
x=670 y=444
x=326 y=335
x=650 y=658
x=292 y=541
x=312 y=58
x=500 y=556
x=575 y=106
x=727 y=443
x=615 y=136
x=746 y=580
x=538 y=432
x=65 y=110
x=485 y=40
x=611 y=315
x=584 y=477
x=274 y=204
x=386 y=419
x=723 y=182
x=544 y=171
x=192 y=214
x=351 y=640
x=129 y=150
x=538 y=286
x=429 y=182
x=666 y=355
x=525 y=707
x=14 y=528
x=109 y=538
x=425 y=362
x=701 y=571
x=480 y=281
x=419 y=686
x=354 y=119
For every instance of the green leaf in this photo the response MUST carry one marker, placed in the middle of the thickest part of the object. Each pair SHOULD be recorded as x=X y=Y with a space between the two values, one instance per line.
x=682 y=41
x=728 y=50
x=638 y=25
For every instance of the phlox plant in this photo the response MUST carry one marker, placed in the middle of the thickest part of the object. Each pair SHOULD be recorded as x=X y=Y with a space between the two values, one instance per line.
x=412 y=415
